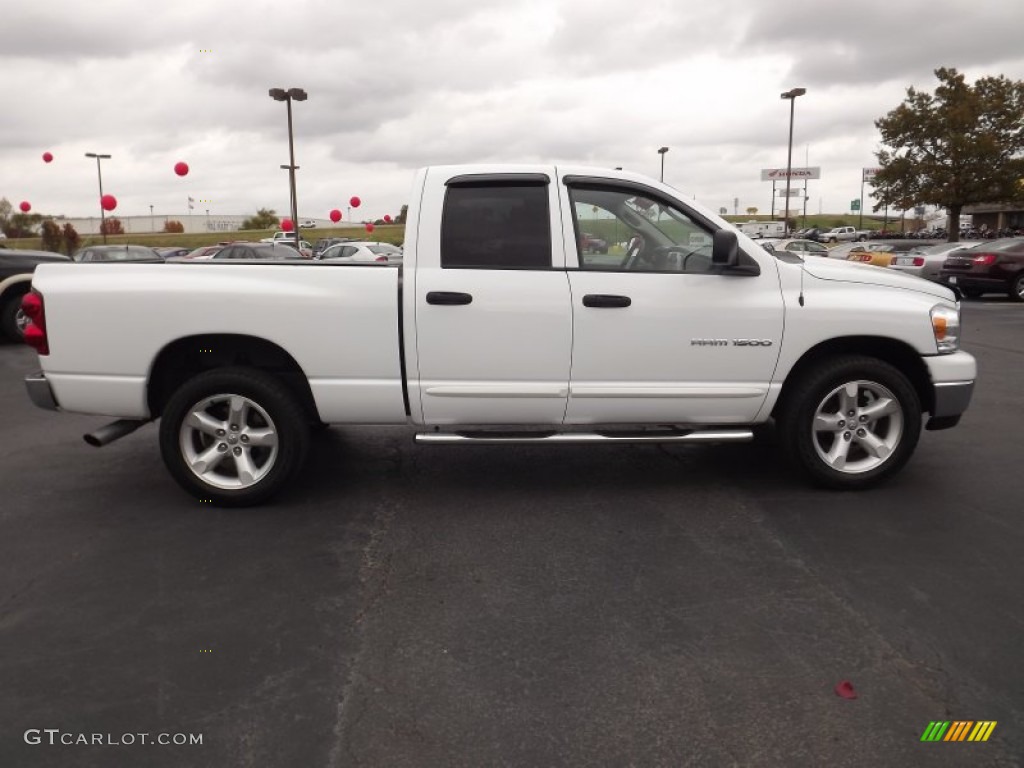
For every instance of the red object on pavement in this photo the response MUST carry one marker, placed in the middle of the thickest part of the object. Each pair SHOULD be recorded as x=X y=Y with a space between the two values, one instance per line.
x=25 y=206
x=109 y=202
x=844 y=689
x=47 y=157
x=355 y=201
x=181 y=168
x=335 y=215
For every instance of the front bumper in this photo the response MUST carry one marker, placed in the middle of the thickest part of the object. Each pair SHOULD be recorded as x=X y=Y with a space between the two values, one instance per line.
x=953 y=379
x=39 y=391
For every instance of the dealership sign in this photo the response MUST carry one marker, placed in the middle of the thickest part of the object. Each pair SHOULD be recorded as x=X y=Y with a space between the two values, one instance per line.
x=779 y=174
x=870 y=173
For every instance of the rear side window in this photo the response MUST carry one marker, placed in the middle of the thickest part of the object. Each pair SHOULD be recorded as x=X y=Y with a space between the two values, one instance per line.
x=503 y=226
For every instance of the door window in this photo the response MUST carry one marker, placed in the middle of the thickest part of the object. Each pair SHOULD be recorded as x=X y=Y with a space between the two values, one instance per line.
x=636 y=233
x=505 y=226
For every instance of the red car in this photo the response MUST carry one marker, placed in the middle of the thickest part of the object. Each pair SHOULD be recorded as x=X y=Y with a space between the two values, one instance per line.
x=993 y=267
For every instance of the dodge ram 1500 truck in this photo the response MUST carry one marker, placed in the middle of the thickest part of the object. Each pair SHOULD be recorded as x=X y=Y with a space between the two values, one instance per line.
x=499 y=328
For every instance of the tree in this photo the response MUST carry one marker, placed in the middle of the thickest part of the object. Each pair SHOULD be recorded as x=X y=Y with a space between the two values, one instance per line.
x=175 y=227
x=400 y=219
x=51 y=236
x=751 y=210
x=265 y=218
x=111 y=227
x=961 y=145
x=72 y=240
x=22 y=224
x=5 y=212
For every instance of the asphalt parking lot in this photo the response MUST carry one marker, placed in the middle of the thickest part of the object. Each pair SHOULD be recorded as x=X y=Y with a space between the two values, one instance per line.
x=468 y=606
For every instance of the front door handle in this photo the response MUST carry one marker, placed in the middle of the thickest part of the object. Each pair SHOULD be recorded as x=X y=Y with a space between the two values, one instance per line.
x=606 y=300
x=448 y=298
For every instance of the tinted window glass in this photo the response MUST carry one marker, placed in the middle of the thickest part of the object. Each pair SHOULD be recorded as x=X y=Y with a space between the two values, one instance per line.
x=505 y=227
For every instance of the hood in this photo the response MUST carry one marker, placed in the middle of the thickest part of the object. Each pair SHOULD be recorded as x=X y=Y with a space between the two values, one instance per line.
x=855 y=272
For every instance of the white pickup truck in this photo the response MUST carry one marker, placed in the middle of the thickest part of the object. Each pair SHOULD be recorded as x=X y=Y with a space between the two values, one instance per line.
x=499 y=328
x=846 y=235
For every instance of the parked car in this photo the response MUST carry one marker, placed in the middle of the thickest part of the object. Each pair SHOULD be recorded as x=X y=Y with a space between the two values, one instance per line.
x=304 y=248
x=171 y=252
x=996 y=266
x=926 y=260
x=308 y=224
x=243 y=251
x=16 y=268
x=202 y=252
x=280 y=236
x=363 y=252
x=796 y=245
x=324 y=243
x=876 y=254
x=94 y=253
x=591 y=244
x=846 y=234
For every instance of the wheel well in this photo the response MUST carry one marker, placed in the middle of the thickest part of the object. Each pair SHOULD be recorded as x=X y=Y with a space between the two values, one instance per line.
x=184 y=358
x=15 y=290
x=898 y=354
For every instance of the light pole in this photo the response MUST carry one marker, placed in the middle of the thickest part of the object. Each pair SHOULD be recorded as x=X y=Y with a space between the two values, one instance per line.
x=152 y=224
x=99 y=173
x=662 y=152
x=292 y=94
x=791 y=95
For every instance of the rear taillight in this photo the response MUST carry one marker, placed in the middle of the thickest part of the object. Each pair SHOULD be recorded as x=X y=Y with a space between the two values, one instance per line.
x=35 y=331
x=861 y=257
x=984 y=258
x=383 y=259
x=918 y=261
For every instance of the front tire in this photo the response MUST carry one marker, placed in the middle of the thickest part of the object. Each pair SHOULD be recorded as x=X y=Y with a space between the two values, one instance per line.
x=233 y=436
x=851 y=422
x=1017 y=289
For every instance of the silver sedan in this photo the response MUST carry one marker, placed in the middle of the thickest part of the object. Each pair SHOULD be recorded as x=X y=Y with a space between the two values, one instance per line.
x=927 y=261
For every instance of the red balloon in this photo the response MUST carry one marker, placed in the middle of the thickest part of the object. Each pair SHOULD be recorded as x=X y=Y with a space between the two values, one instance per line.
x=287 y=225
x=25 y=206
x=335 y=215
x=387 y=218
x=369 y=227
x=108 y=202
x=47 y=157
x=181 y=168
x=354 y=202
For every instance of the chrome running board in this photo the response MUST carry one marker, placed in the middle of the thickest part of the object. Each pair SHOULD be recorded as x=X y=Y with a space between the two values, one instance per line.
x=484 y=437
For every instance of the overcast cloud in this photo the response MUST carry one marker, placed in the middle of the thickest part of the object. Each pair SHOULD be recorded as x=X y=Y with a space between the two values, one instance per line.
x=395 y=84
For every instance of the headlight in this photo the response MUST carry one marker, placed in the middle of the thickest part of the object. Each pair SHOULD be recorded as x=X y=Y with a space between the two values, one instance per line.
x=946 y=328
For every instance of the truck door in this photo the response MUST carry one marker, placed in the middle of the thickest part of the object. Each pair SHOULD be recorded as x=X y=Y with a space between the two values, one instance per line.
x=659 y=336
x=493 y=317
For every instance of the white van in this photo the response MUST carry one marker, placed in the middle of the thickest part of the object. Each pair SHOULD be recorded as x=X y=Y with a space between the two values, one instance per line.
x=757 y=229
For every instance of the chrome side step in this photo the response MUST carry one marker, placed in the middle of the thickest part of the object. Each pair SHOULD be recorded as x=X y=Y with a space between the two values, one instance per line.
x=484 y=437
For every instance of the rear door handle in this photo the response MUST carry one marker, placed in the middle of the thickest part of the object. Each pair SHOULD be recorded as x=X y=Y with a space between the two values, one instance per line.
x=448 y=298
x=606 y=300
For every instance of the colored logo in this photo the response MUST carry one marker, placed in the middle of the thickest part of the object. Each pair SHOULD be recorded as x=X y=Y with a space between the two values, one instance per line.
x=959 y=730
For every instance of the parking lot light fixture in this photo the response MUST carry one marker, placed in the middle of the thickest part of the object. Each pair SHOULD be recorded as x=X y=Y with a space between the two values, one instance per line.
x=791 y=95
x=662 y=152
x=99 y=173
x=288 y=96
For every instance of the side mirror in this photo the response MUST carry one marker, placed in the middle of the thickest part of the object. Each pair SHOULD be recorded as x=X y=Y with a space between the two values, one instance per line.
x=724 y=249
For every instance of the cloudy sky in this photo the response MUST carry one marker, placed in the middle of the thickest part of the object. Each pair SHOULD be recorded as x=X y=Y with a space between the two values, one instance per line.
x=398 y=84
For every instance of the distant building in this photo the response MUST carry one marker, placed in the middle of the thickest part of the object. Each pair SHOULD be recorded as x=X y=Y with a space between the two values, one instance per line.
x=135 y=225
x=996 y=215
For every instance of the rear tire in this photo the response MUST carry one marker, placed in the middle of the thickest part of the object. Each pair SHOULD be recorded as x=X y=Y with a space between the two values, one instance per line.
x=233 y=436
x=12 y=319
x=836 y=449
x=972 y=293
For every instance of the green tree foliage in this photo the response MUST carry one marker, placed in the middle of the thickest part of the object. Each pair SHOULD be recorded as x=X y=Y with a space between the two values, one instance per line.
x=72 y=240
x=174 y=226
x=961 y=145
x=52 y=238
x=5 y=212
x=111 y=227
x=265 y=218
x=400 y=219
x=22 y=224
